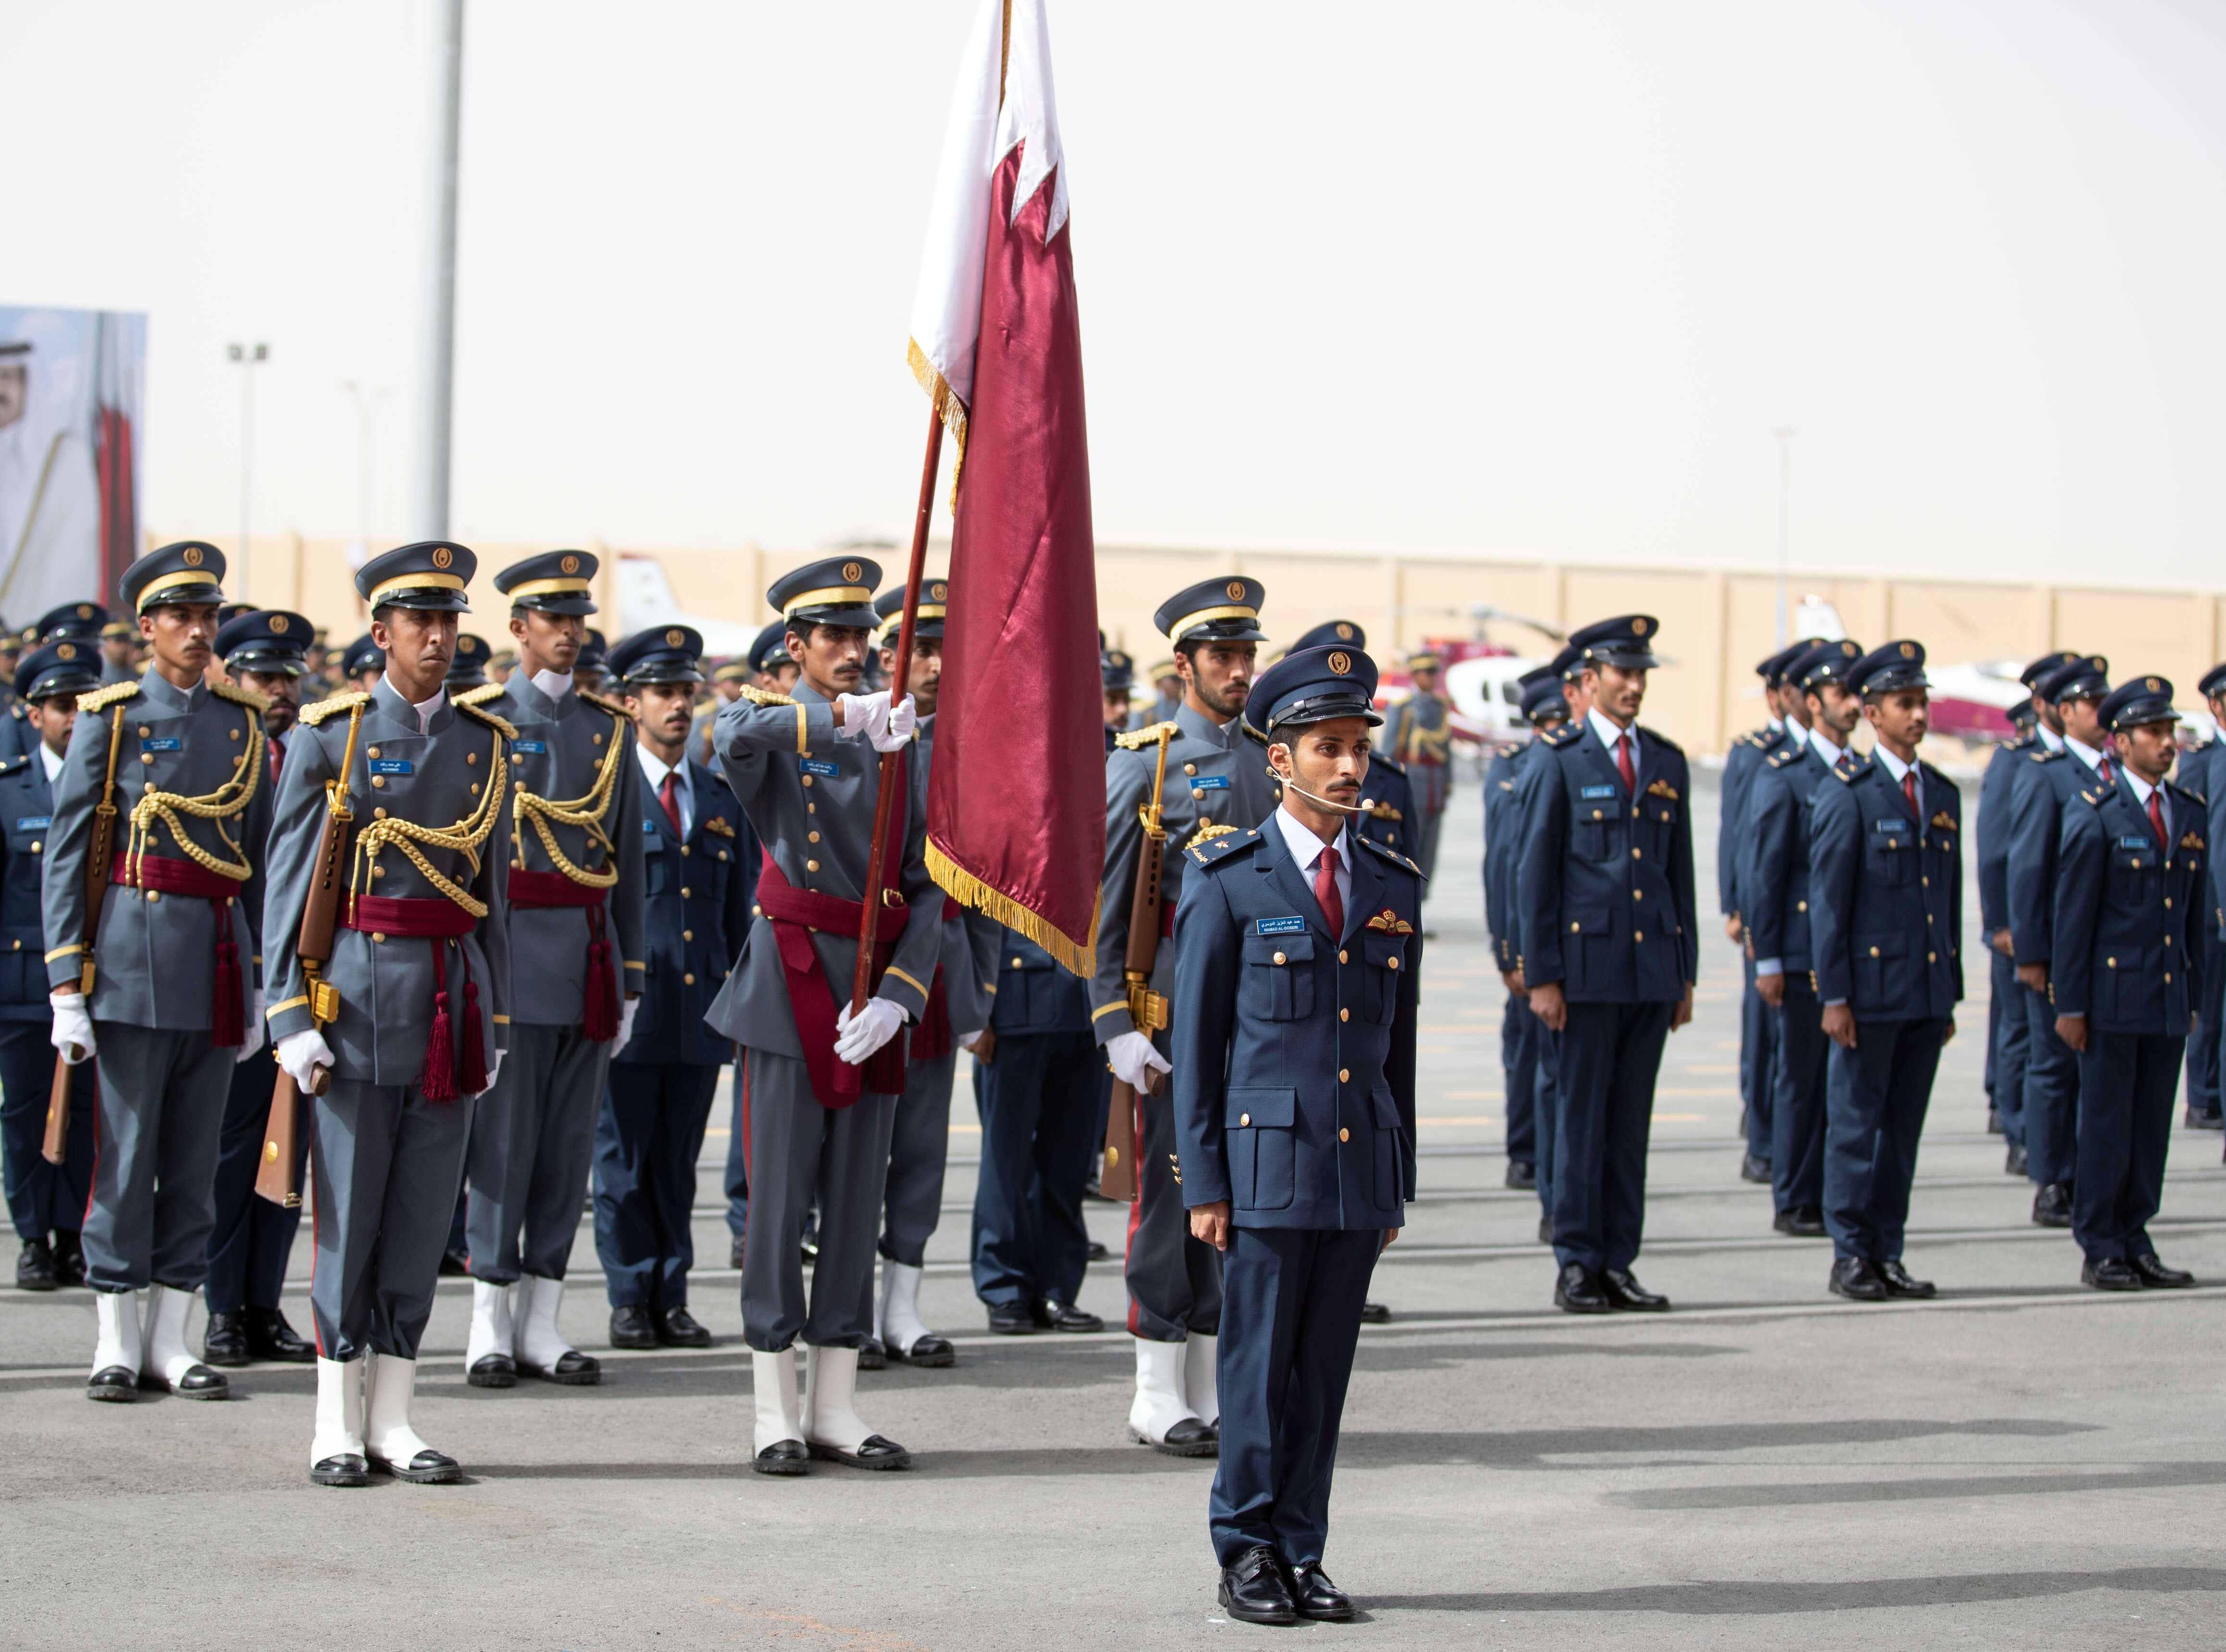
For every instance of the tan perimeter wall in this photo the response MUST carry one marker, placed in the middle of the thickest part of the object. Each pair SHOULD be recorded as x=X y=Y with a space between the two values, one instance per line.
x=1715 y=625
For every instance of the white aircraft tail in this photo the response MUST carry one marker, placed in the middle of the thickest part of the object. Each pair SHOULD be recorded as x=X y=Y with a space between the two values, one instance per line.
x=645 y=599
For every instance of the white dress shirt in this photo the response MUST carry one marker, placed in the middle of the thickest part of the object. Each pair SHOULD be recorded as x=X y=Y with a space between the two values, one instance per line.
x=1607 y=734
x=683 y=791
x=51 y=761
x=1896 y=768
x=424 y=709
x=554 y=684
x=2087 y=755
x=1307 y=849
x=2142 y=790
x=2049 y=737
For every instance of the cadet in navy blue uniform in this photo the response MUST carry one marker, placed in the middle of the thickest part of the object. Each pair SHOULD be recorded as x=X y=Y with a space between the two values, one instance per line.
x=2203 y=772
x=1885 y=916
x=2006 y=1022
x=2125 y=972
x=1609 y=953
x=1295 y=1112
x=1542 y=708
x=46 y=1202
x=1773 y=880
x=657 y=1099
x=2071 y=759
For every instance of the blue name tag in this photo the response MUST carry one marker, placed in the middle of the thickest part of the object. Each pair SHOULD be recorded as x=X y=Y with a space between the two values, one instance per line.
x=819 y=765
x=650 y=826
x=2123 y=843
x=37 y=822
x=540 y=748
x=1280 y=926
x=1881 y=826
x=171 y=744
x=1203 y=783
x=391 y=766
x=1589 y=792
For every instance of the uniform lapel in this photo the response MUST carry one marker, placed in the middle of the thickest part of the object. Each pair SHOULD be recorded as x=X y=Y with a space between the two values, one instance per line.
x=653 y=806
x=1596 y=758
x=1367 y=897
x=1283 y=872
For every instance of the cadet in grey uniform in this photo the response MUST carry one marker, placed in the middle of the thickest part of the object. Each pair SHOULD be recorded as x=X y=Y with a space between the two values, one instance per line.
x=822 y=1085
x=410 y=1014
x=1218 y=781
x=159 y=981
x=1420 y=739
x=573 y=888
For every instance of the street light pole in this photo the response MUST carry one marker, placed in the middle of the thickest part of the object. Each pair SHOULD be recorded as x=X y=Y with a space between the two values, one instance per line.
x=436 y=318
x=1785 y=433
x=246 y=356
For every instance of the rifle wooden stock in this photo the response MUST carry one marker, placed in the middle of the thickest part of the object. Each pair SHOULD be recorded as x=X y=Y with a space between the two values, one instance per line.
x=58 y=1114
x=274 y=1177
x=1116 y=1174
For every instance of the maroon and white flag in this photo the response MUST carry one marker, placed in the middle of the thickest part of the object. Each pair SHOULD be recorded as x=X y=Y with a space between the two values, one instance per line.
x=1016 y=803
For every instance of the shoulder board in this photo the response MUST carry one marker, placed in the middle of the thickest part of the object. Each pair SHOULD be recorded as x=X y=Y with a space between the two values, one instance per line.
x=2173 y=788
x=114 y=694
x=1554 y=737
x=758 y=696
x=617 y=709
x=1508 y=750
x=1214 y=850
x=1851 y=767
x=1385 y=760
x=14 y=763
x=348 y=702
x=1791 y=755
x=501 y=725
x=238 y=696
x=1661 y=740
x=2044 y=755
x=482 y=695
x=1137 y=739
x=1392 y=856
x=2022 y=743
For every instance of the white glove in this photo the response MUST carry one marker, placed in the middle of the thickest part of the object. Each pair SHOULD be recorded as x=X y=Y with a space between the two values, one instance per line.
x=1133 y=1059
x=72 y=1033
x=494 y=1063
x=301 y=1054
x=254 y=1039
x=902 y=719
x=626 y=1008
x=862 y=713
x=858 y=1038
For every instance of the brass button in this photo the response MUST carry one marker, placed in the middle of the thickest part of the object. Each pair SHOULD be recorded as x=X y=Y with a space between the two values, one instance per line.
x=370 y=752
x=1343 y=1077
x=1244 y=1118
x=1800 y=906
x=1926 y=882
x=1344 y=1015
x=807 y=780
x=815 y=838
x=1391 y=964
x=1188 y=768
x=812 y=809
x=379 y=813
x=811 y=866
x=688 y=935
x=1280 y=959
x=153 y=894
x=1596 y=814
x=1340 y=955
x=1638 y=935
x=1932 y=958
x=144 y=731
x=475 y=788
x=1575 y=928
x=515 y=759
x=2113 y=962
x=2167 y=900
x=1344 y=1134
x=378 y=935
x=471 y=758
x=1638 y=894
x=35 y=846
x=1016 y=964
x=814 y=865
x=1874 y=952
x=2167 y=977
x=146 y=757
x=1928 y=918
x=688 y=980
x=599 y=740
x=378 y=872
x=235 y=734
x=811 y=837
x=1198 y=791
x=1636 y=855
x=379 y=779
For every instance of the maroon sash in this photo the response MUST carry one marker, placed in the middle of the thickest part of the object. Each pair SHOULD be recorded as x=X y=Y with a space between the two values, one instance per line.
x=794 y=913
x=599 y=1001
x=436 y=920
x=228 y=1013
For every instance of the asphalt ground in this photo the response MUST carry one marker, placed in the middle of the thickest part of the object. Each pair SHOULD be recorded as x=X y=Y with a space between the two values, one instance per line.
x=2020 y=1462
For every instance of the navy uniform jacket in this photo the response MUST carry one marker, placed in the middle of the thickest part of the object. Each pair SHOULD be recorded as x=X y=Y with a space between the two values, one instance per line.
x=1995 y=831
x=2197 y=770
x=692 y=938
x=1604 y=880
x=1749 y=751
x=1774 y=859
x=1886 y=893
x=17 y=737
x=1391 y=796
x=1503 y=819
x=27 y=806
x=1295 y=1050
x=1032 y=992
x=2128 y=912
x=2039 y=788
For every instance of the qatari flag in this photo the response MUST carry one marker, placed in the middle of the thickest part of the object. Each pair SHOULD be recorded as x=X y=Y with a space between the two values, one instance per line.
x=1016 y=810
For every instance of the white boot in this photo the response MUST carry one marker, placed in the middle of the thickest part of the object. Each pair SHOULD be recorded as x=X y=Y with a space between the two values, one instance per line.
x=389 y=1441
x=339 y=1440
x=489 y=1351
x=1161 y=1417
x=780 y=1414
x=169 y=1361
x=542 y=1349
x=832 y=1427
x=116 y=1346
x=897 y=1321
x=1201 y=1380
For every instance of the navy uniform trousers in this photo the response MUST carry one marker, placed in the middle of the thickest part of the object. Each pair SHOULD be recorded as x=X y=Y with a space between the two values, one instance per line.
x=1758 y=1026
x=2051 y=1095
x=1875 y=1103
x=252 y=1238
x=2202 y=1049
x=1796 y=1107
x=1606 y=1057
x=2126 y=1081
x=2013 y=1036
x=43 y=1199
x=1519 y=1037
x=647 y=1136
x=1038 y=1101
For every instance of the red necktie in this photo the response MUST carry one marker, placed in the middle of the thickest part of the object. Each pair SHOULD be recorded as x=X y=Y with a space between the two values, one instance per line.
x=1909 y=790
x=277 y=756
x=669 y=795
x=2156 y=822
x=1325 y=893
x=1623 y=764
x=2103 y=772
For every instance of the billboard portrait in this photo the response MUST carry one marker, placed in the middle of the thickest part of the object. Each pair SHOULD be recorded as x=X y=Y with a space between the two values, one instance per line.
x=72 y=386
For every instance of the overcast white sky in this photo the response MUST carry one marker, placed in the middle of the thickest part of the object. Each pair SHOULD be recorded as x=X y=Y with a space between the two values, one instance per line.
x=1526 y=279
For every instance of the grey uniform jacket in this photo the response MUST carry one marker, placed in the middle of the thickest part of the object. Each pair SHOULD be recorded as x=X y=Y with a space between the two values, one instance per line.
x=386 y=986
x=795 y=777
x=558 y=756
x=968 y=951
x=154 y=958
x=1217 y=775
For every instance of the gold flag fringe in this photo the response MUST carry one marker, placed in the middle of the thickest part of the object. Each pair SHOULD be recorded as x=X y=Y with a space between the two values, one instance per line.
x=948 y=407
x=1077 y=959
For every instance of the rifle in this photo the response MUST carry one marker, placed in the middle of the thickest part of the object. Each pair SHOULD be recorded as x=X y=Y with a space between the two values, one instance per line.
x=1117 y=1177
x=99 y=852
x=274 y=1177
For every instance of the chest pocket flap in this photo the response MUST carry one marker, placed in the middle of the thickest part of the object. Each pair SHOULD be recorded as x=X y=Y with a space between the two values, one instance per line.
x=1279 y=977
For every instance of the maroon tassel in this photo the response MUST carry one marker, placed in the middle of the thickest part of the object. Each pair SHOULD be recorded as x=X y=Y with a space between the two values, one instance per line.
x=599 y=1008
x=473 y=1077
x=227 y=1015
x=439 y=1083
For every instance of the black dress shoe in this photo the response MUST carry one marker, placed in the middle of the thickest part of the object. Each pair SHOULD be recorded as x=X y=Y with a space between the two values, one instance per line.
x=1065 y=1316
x=1253 y=1590
x=2156 y=1276
x=2051 y=1206
x=2013 y=1161
x=1317 y=1598
x=1191 y=1437
x=1624 y=1291
x=875 y=1452
x=199 y=1383
x=872 y=1356
x=927 y=1350
x=736 y=1251
x=225 y=1341
x=268 y=1337
x=1096 y=1251
x=494 y=1370
x=1751 y=1168
x=1854 y=1278
x=347 y=1469
x=1803 y=1221
x=1520 y=1175
x=573 y=1370
x=429 y=1467
x=1376 y=1313
x=1010 y=1318
x=2111 y=1274
x=1579 y=1291
x=456 y=1264
x=112 y=1383
x=678 y=1328
x=2199 y=1120
x=35 y=1268
x=783 y=1456
x=69 y=1260
x=630 y=1326
x=1900 y=1281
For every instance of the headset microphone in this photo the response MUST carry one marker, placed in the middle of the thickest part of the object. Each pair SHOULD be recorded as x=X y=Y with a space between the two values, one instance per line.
x=1361 y=808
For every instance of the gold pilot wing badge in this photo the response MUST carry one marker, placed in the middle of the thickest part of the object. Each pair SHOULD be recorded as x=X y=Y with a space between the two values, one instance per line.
x=1662 y=789
x=1391 y=923
x=1944 y=819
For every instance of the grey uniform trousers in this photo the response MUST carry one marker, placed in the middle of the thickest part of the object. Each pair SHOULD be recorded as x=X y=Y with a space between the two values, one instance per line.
x=1175 y=1280
x=919 y=1145
x=800 y=1151
x=384 y=1165
x=161 y=1098
x=533 y=1139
